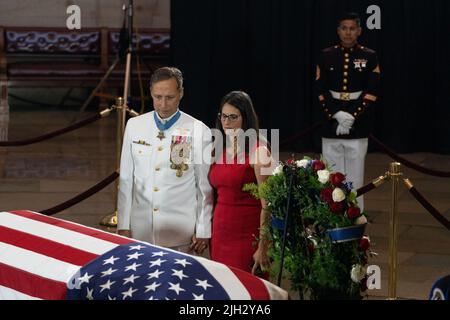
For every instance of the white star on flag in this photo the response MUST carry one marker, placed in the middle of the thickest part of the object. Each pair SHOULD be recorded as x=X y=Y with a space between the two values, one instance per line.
x=155 y=274
x=179 y=274
x=158 y=254
x=134 y=256
x=84 y=278
x=129 y=293
x=133 y=266
x=204 y=284
x=175 y=287
x=152 y=287
x=110 y=260
x=138 y=247
x=156 y=263
x=198 y=297
x=89 y=294
x=108 y=272
x=109 y=298
x=107 y=285
x=130 y=279
x=183 y=262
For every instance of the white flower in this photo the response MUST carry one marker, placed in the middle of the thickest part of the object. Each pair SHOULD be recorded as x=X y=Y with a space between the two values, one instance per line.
x=302 y=163
x=338 y=195
x=278 y=170
x=361 y=220
x=358 y=273
x=324 y=176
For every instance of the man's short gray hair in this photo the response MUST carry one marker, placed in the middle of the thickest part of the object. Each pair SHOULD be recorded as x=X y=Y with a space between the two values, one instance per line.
x=166 y=73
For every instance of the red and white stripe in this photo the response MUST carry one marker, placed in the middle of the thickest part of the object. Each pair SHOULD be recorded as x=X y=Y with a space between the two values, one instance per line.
x=241 y=285
x=39 y=254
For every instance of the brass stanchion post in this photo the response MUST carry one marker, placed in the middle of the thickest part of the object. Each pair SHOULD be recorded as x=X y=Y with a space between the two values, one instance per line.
x=110 y=220
x=395 y=175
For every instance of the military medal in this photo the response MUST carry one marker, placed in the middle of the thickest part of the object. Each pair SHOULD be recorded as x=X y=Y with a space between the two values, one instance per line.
x=180 y=168
x=165 y=126
x=180 y=152
x=161 y=135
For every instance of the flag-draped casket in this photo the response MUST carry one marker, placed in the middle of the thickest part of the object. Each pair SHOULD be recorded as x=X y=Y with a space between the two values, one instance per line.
x=48 y=258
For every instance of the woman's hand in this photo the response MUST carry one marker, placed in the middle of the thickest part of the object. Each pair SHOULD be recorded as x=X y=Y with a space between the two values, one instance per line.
x=260 y=257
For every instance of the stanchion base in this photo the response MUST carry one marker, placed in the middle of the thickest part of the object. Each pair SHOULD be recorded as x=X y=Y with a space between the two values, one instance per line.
x=109 y=220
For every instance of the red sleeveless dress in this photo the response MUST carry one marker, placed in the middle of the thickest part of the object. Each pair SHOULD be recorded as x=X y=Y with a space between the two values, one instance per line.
x=236 y=216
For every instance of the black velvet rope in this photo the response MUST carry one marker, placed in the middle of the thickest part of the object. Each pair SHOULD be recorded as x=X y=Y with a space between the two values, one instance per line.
x=302 y=134
x=406 y=162
x=52 y=134
x=82 y=196
x=432 y=210
x=364 y=189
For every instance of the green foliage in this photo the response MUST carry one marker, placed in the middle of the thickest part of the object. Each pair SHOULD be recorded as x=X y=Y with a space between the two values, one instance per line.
x=317 y=267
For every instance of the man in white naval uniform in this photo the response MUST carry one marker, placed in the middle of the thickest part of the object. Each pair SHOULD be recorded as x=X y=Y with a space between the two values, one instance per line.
x=164 y=194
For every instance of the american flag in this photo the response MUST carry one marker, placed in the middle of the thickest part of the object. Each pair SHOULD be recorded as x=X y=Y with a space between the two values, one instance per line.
x=48 y=258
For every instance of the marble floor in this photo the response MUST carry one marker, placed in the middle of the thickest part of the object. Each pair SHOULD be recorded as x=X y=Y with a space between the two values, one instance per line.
x=42 y=175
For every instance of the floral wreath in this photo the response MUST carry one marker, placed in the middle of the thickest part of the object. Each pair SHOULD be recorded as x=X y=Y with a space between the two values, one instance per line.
x=326 y=251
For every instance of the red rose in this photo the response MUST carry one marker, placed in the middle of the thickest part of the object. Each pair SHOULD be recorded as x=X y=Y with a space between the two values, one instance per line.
x=336 y=207
x=326 y=195
x=290 y=161
x=364 y=243
x=318 y=165
x=337 y=178
x=353 y=212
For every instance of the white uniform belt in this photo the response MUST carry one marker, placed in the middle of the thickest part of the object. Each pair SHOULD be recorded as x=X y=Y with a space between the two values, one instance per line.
x=346 y=96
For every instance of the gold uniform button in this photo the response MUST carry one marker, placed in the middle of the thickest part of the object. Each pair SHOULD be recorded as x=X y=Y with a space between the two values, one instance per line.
x=156 y=189
x=347 y=60
x=344 y=88
x=345 y=66
x=160 y=148
x=346 y=55
x=355 y=114
x=359 y=109
x=345 y=80
x=345 y=73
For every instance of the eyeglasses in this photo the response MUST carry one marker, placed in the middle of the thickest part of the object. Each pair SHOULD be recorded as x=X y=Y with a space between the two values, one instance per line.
x=231 y=117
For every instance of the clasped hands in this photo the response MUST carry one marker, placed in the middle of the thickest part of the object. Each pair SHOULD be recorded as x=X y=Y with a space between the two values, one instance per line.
x=345 y=122
x=198 y=245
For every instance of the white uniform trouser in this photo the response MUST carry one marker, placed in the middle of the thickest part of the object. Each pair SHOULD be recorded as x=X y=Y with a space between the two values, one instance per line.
x=347 y=156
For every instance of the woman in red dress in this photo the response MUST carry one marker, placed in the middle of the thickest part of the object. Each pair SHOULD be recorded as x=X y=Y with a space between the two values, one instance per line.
x=237 y=238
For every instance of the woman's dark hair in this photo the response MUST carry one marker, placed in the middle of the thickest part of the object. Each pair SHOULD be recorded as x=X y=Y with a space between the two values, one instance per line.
x=241 y=101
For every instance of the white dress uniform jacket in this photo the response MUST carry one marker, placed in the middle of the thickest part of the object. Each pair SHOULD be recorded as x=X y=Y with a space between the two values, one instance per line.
x=153 y=202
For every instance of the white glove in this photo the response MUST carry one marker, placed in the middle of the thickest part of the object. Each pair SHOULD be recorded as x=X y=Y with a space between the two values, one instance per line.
x=344 y=118
x=348 y=123
x=342 y=130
